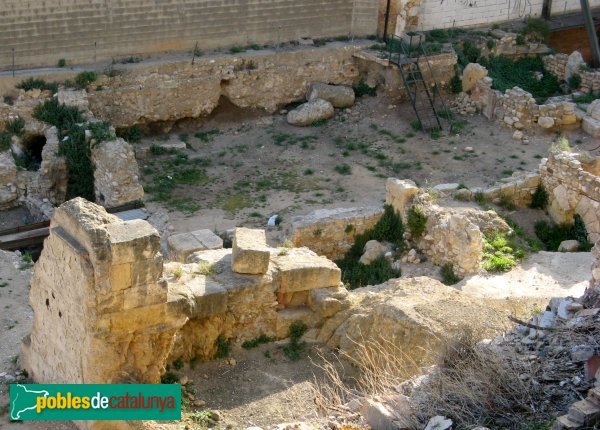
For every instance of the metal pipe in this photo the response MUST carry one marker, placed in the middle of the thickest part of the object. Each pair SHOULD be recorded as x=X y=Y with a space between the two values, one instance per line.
x=591 y=31
x=387 y=17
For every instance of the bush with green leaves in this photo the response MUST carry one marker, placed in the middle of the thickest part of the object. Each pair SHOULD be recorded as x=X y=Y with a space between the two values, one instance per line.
x=40 y=84
x=5 y=141
x=259 y=340
x=363 y=89
x=536 y=29
x=448 y=275
x=294 y=349
x=575 y=81
x=61 y=63
x=223 y=346
x=456 y=84
x=539 y=200
x=16 y=126
x=354 y=274
x=85 y=78
x=501 y=252
x=131 y=134
x=551 y=235
x=416 y=221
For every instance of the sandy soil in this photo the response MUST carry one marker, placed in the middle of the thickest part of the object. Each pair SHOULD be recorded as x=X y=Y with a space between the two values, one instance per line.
x=260 y=165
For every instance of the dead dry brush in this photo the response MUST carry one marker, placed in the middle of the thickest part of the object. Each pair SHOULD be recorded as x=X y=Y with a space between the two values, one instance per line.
x=472 y=383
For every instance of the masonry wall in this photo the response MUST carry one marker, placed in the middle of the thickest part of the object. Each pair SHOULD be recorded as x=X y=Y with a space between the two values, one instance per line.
x=468 y=13
x=92 y=30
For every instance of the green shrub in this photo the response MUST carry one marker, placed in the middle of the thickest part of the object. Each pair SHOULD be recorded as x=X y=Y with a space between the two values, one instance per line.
x=575 y=81
x=520 y=40
x=101 y=131
x=416 y=221
x=343 y=169
x=16 y=126
x=132 y=134
x=389 y=228
x=169 y=378
x=537 y=29
x=448 y=275
x=61 y=63
x=438 y=35
x=294 y=349
x=501 y=252
x=539 y=199
x=249 y=344
x=506 y=203
x=456 y=84
x=586 y=98
x=40 y=84
x=362 y=89
x=319 y=122
x=5 y=141
x=178 y=364
x=491 y=43
x=551 y=235
x=61 y=116
x=223 y=347
x=85 y=78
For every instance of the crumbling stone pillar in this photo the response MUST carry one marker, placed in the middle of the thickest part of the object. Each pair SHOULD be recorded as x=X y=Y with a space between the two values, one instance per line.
x=99 y=301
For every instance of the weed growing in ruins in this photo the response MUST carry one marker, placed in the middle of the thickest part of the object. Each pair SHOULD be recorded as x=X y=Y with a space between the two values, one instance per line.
x=456 y=84
x=586 y=98
x=575 y=81
x=448 y=275
x=539 y=200
x=16 y=126
x=343 y=169
x=416 y=125
x=506 y=203
x=257 y=341
x=561 y=145
x=552 y=235
x=236 y=50
x=61 y=63
x=319 y=122
x=40 y=84
x=178 y=364
x=169 y=378
x=234 y=203
x=202 y=418
x=363 y=89
x=416 y=221
x=349 y=229
x=207 y=269
x=207 y=136
x=61 y=116
x=178 y=272
x=223 y=347
x=26 y=261
x=5 y=141
x=536 y=29
x=294 y=349
x=354 y=274
x=85 y=78
x=131 y=134
x=501 y=252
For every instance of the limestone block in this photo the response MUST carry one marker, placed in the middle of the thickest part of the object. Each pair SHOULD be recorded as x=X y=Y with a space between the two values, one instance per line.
x=327 y=302
x=132 y=241
x=338 y=95
x=446 y=188
x=399 y=194
x=199 y=297
x=287 y=316
x=591 y=126
x=301 y=269
x=310 y=112
x=568 y=246
x=182 y=245
x=373 y=250
x=545 y=122
x=8 y=177
x=593 y=109
x=250 y=252
x=471 y=74
x=574 y=64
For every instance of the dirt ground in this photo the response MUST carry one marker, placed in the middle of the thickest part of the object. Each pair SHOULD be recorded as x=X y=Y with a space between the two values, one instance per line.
x=249 y=167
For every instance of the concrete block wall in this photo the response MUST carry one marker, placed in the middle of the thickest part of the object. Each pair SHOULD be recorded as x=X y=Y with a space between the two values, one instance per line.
x=469 y=13
x=92 y=30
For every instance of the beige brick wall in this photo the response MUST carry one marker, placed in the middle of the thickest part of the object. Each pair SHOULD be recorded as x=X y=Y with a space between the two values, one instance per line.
x=42 y=32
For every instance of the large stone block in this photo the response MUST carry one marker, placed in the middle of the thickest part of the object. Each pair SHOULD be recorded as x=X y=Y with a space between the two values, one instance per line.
x=182 y=245
x=472 y=73
x=591 y=126
x=307 y=113
x=399 y=193
x=338 y=95
x=301 y=270
x=250 y=252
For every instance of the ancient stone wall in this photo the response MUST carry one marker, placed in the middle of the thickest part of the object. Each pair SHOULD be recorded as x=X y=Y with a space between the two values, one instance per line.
x=573 y=185
x=100 y=306
x=560 y=66
x=80 y=31
x=332 y=232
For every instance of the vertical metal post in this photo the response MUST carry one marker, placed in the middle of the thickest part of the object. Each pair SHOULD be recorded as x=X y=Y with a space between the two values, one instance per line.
x=591 y=31
x=194 y=53
x=547 y=9
x=387 y=18
x=95 y=48
x=13 y=62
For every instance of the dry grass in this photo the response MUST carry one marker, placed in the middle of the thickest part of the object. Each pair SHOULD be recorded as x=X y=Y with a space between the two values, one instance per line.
x=472 y=384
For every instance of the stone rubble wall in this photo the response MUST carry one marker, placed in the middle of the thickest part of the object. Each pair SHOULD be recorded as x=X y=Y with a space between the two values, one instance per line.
x=332 y=232
x=81 y=31
x=573 y=185
x=558 y=65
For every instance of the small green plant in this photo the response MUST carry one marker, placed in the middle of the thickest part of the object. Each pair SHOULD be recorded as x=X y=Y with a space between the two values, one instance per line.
x=416 y=125
x=349 y=229
x=207 y=136
x=40 y=84
x=539 y=200
x=491 y=44
x=456 y=84
x=308 y=172
x=178 y=272
x=575 y=81
x=207 y=269
x=448 y=275
x=363 y=89
x=26 y=261
x=178 y=364
x=343 y=169
x=500 y=253
x=61 y=63
x=416 y=221
x=16 y=126
x=551 y=235
x=85 y=78
x=294 y=349
x=506 y=202
x=257 y=341
x=561 y=145
x=5 y=141
x=319 y=122
x=169 y=378
x=131 y=134
x=520 y=40
x=536 y=29
x=223 y=347
x=236 y=50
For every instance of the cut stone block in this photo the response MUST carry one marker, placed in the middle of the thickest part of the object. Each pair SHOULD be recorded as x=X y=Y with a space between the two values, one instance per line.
x=591 y=126
x=250 y=252
x=584 y=412
x=182 y=245
x=301 y=270
x=199 y=297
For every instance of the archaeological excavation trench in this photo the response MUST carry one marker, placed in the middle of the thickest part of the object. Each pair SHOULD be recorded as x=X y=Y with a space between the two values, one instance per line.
x=282 y=234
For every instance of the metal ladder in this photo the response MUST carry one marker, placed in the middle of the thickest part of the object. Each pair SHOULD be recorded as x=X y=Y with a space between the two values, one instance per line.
x=426 y=99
